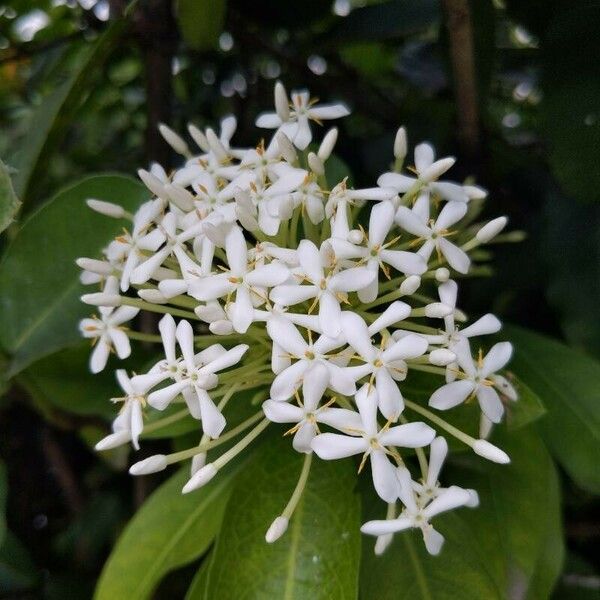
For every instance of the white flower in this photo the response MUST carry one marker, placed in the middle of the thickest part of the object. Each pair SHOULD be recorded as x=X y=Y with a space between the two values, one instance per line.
x=428 y=170
x=434 y=234
x=107 y=331
x=418 y=517
x=198 y=377
x=288 y=380
x=328 y=285
x=341 y=196
x=475 y=380
x=295 y=123
x=377 y=254
x=373 y=442
x=306 y=417
x=247 y=283
x=385 y=365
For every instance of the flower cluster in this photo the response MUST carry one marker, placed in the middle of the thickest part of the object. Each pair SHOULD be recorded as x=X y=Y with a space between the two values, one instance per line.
x=339 y=292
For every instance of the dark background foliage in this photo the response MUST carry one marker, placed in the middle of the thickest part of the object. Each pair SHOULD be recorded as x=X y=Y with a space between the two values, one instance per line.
x=82 y=90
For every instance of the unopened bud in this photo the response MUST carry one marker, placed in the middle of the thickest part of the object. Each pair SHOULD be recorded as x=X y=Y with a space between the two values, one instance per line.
x=410 y=285
x=153 y=296
x=400 y=144
x=174 y=140
x=101 y=299
x=152 y=464
x=215 y=145
x=198 y=461
x=222 y=327
x=474 y=192
x=286 y=147
x=438 y=310
x=441 y=357
x=277 y=529
x=200 y=478
x=108 y=209
x=442 y=274
x=180 y=196
x=382 y=543
x=153 y=183
x=328 y=143
x=491 y=230
x=355 y=236
x=491 y=452
x=95 y=266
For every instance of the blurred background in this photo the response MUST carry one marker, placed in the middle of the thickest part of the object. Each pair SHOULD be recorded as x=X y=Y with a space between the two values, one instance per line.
x=511 y=87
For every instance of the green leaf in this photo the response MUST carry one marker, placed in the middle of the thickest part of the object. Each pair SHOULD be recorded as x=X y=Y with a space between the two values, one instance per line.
x=201 y=23
x=386 y=20
x=170 y=530
x=40 y=306
x=9 y=203
x=197 y=588
x=569 y=385
x=316 y=558
x=489 y=549
x=51 y=120
x=527 y=409
x=17 y=571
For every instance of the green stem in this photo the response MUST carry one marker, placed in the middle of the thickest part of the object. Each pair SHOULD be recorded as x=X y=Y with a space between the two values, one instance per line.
x=297 y=494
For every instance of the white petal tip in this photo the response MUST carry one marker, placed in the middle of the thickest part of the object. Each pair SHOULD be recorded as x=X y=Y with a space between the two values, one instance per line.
x=491 y=230
x=152 y=464
x=202 y=477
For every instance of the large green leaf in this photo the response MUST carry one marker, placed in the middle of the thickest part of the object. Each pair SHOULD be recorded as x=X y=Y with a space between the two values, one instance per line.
x=169 y=530
x=51 y=120
x=489 y=550
x=318 y=556
x=39 y=305
x=9 y=203
x=569 y=385
x=201 y=23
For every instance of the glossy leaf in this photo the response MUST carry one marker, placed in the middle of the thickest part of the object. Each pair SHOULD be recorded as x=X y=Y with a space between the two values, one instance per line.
x=51 y=120
x=569 y=385
x=9 y=203
x=40 y=306
x=527 y=409
x=201 y=23
x=169 y=530
x=489 y=549
x=319 y=554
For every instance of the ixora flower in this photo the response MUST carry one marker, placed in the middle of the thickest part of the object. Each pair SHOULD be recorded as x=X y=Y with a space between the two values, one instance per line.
x=319 y=300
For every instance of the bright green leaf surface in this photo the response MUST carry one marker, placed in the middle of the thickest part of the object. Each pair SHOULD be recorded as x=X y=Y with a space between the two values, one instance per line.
x=319 y=554
x=9 y=203
x=568 y=384
x=40 y=305
x=169 y=530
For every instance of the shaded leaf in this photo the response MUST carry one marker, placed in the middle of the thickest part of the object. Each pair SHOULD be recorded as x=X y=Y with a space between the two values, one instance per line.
x=17 y=571
x=569 y=385
x=316 y=558
x=201 y=23
x=9 y=203
x=40 y=305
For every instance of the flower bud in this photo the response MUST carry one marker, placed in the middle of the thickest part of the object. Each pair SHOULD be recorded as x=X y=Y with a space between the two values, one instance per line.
x=221 y=327
x=355 y=236
x=474 y=192
x=328 y=143
x=316 y=164
x=400 y=144
x=180 y=197
x=152 y=464
x=438 y=310
x=491 y=230
x=101 y=299
x=198 y=137
x=282 y=104
x=382 y=543
x=95 y=266
x=108 y=209
x=277 y=529
x=200 y=478
x=410 y=285
x=441 y=357
x=170 y=288
x=485 y=427
x=174 y=140
x=442 y=274
x=215 y=145
x=198 y=461
x=491 y=452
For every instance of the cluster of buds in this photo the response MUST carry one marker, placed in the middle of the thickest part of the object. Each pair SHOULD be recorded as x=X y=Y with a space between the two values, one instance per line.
x=342 y=294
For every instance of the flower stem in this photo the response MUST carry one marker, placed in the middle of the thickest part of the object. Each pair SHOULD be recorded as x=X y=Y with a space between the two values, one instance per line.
x=297 y=494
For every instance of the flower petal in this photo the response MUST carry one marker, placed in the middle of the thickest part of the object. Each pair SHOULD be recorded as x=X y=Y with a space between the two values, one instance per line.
x=451 y=394
x=410 y=435
x=331 y=446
